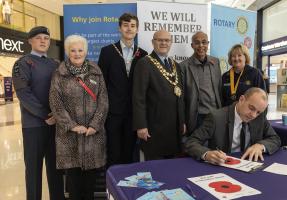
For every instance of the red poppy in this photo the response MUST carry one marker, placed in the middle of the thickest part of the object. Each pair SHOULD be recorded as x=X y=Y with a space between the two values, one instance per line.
x=224 y=187
x=30 y=62
x=212 y=61
x=231 y=161
x=137 y=53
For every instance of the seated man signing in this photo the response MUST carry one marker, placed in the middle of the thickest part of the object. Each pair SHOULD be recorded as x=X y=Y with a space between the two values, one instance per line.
x=240 y=127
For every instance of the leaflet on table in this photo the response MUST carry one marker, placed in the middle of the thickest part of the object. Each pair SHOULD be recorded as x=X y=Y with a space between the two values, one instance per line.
x=277 y=168
x=142 y=180
x=223 y=187
x=175 y=194
x=242 y=165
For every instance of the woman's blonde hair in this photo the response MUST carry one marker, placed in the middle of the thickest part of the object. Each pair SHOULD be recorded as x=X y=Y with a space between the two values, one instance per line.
x=241 y=49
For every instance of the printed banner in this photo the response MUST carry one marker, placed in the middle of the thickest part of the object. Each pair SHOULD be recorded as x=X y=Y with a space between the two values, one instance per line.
x=230 y=26
x=181 y=20
x=98 y=23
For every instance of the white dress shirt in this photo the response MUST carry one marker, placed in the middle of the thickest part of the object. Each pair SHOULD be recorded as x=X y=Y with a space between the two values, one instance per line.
x=235 y=147
x=127 y=55
x=162 y=58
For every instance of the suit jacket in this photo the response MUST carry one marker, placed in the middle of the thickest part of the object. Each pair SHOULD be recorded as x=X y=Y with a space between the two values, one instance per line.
x=119 y=84
x=191 y=87
x=156 y=107
x=217 y=129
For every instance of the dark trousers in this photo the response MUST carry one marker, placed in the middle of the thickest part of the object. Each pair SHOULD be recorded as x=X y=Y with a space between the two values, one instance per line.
x=154 y=157
x=39 y=143
x=121 y=139
x=81 y=183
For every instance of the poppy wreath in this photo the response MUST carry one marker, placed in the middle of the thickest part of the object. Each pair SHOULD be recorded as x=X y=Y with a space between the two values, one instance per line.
x=231 y=161
x=224 y=187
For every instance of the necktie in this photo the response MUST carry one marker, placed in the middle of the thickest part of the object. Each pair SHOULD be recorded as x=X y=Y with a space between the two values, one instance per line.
x=242 y=137
x=166 y=64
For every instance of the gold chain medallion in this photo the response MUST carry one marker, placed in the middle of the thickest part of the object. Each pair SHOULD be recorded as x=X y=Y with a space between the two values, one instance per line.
x=167 y=75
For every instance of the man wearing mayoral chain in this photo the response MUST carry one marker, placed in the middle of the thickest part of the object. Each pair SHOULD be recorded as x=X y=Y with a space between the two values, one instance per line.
x=158 y=101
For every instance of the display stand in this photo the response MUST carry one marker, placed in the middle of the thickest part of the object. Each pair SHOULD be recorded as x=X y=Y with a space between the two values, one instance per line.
x=282 y=89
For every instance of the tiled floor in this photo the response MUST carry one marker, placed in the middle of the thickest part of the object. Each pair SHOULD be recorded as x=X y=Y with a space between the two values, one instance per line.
x=12 y=184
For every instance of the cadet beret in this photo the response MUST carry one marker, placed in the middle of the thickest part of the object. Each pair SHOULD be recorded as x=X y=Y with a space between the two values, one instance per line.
x=37 y=30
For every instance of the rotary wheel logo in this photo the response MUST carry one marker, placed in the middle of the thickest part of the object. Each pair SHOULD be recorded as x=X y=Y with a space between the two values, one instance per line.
x=225 y=187
x=242 y=25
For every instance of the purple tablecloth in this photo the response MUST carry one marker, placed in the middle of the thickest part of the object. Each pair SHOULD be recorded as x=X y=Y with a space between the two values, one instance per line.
x=281 y=130
x=174 y=174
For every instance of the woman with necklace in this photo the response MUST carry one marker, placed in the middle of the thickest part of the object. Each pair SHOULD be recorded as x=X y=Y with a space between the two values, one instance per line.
x=241 y=76
x=79 y=102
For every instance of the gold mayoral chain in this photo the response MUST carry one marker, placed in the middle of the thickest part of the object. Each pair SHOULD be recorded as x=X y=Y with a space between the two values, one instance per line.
x=122 y=54
x=167 y=75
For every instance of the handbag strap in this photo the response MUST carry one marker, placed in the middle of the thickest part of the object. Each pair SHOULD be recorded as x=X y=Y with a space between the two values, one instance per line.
x=87 y=89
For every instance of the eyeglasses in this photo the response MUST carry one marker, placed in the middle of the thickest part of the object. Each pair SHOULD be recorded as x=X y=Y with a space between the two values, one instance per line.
x=162 y=40
x=204 y=42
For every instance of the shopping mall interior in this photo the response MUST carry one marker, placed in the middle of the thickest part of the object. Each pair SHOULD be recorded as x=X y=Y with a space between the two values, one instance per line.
x=26 y=14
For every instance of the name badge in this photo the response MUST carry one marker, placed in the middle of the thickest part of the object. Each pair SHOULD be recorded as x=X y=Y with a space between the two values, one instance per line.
x=93 y=82
x=248 y=82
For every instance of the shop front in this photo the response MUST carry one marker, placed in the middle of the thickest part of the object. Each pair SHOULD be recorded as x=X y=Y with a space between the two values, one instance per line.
x=272 y=48
x=275 y=58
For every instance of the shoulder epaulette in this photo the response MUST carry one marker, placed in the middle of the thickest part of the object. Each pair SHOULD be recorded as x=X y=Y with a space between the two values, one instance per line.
x=23 y=57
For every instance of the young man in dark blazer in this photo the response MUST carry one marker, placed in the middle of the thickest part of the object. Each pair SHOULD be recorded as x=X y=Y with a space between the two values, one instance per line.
x=117 y=62
x=240 y=127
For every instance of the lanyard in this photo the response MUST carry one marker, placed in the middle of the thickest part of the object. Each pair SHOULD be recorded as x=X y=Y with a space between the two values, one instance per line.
x=232 y=88
x=88 y=90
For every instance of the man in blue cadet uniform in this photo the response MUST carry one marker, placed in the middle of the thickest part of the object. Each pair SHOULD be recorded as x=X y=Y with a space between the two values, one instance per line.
x=117 y=62
x=31 y=77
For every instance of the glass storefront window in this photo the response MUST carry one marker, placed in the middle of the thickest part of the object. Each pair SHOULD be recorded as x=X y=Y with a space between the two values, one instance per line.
x=22 y=16
x=45 y=18
x=30 y=22
x=18 y=5
x=17 y=20
x=273 y=73
x=274 y=21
